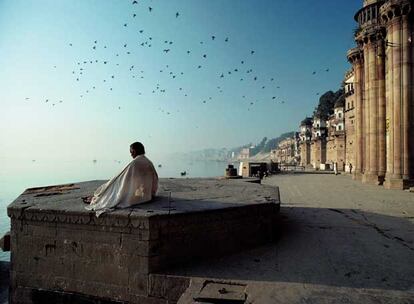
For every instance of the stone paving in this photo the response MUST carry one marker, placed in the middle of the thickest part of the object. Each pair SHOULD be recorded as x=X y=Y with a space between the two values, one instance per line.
x=340 y=242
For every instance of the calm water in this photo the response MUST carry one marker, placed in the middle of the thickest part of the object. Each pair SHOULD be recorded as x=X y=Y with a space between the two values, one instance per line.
x=15 y=177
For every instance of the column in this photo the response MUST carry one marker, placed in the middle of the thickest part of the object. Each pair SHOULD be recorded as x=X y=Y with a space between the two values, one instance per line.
x=396 y=102
x=366 y=111
x=406 y=93
x=372 y=101
x=356 y=59
x=399 y=20
x=381 y=109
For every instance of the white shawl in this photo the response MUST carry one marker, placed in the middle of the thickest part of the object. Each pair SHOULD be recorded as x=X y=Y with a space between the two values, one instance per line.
x=136 y=184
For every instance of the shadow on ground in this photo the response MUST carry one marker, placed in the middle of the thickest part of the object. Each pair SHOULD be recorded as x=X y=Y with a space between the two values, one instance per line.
x=4 y=281
x=334 y=247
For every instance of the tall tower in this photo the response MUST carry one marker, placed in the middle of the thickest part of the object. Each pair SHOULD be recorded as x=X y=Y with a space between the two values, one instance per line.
x=383 y=62
x=398 y=18
x=370 y=39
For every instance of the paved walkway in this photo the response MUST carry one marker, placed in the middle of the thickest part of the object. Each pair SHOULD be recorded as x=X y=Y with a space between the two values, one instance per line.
x=340 y=242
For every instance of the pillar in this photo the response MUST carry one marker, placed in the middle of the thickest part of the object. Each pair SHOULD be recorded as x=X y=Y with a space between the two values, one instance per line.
x=356 y=59
x=398 y=17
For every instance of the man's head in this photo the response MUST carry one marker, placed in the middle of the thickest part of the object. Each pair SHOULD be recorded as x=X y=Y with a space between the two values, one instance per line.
x=136 y=149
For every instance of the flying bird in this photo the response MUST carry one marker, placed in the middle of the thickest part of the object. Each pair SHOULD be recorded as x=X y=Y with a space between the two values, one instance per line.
x=213 y=37
x=135 y=2
x=227 y=39
x=150 y=8
x=177 y=14
x=252 y=52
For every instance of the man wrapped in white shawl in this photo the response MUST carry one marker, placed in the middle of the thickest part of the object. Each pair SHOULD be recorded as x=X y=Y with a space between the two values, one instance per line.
x=136 y=184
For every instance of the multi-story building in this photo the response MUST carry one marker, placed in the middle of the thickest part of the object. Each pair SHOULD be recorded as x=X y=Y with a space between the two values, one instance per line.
x=244 y=154
x=288 y=150
x=305 y=136
x=335 y=146
x=318 y=142
x=349 y=121
x=383 y=64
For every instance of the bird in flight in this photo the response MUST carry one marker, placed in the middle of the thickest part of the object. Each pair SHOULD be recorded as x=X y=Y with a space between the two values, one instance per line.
x=177 y=14
x=213 y=37
x=252 y=52
x=227 y=39
x=135 y=2
x=166 y=50
x=150 y=8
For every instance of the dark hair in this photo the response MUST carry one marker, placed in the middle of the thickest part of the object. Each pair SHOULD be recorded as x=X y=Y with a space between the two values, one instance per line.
x=138 y=148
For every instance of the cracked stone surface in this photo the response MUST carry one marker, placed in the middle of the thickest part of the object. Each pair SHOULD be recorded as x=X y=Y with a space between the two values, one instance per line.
x=340 y=242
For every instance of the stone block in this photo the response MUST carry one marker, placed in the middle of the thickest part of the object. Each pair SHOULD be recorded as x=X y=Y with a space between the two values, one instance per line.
x=167 y=287
x=138 y=283
x=67 y=252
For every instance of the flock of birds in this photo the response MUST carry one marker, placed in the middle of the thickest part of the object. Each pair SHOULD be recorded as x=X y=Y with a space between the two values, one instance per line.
x=243 y=72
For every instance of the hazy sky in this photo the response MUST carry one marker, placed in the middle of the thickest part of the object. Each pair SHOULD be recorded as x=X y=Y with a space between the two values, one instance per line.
x=45 y=45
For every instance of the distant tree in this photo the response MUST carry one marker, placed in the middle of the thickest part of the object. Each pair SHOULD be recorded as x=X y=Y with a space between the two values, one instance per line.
x=327 y=102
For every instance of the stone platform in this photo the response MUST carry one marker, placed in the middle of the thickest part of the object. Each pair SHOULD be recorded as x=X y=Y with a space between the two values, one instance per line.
x=63 y=253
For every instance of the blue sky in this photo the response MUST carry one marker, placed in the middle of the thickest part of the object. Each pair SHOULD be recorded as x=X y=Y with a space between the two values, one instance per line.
x=47 y=112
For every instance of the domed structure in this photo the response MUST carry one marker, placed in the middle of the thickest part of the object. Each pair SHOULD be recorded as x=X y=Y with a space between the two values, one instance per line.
x=369 y=2
x=383 y=65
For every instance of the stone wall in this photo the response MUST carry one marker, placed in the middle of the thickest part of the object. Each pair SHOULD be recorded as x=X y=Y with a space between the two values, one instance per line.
x=62 y=252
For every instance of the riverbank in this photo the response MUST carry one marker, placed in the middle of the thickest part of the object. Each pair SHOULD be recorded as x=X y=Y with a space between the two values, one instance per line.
x=339 y=241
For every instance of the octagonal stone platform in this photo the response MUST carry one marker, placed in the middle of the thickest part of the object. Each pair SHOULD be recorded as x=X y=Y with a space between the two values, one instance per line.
x=63 y=253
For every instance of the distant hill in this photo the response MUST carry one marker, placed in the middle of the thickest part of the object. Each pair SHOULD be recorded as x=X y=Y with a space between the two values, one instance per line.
x=261 y=150
x=265 y=145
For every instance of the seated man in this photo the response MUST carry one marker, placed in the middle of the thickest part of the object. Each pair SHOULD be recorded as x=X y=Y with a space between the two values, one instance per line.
x=136 y=184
